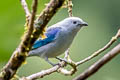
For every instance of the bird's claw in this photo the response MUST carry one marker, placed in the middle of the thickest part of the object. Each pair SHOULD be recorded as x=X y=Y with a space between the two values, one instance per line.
x=61 y=59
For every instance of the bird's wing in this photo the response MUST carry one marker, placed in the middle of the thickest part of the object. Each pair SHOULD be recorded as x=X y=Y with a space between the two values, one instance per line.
x=51 y=36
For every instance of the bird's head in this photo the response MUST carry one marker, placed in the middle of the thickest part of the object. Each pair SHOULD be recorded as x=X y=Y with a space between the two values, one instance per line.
x=73 y=23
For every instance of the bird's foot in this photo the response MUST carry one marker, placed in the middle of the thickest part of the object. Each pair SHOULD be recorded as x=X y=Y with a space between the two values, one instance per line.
x=69 y=61
x=61 y=59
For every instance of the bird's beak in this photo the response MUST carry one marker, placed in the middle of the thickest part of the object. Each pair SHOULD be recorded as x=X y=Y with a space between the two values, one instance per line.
x=85 y=24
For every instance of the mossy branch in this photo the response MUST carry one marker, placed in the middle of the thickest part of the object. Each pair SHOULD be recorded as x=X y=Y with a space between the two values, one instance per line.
x=19 y=55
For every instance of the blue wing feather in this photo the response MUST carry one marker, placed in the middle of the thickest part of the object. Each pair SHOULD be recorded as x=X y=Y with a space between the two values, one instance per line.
x=51 y=35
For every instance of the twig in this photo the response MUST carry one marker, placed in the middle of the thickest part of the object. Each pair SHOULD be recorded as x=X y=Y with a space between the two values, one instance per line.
x=69 y=5
x=25 y=7
x=19 y=55
x=43 y=73
x=27 y=12
x=100 y=50
x=97 y=65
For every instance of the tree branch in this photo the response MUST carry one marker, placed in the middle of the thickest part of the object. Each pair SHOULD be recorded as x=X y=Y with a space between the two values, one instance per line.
x=19 y=55
x=44 y=72
x=97 y=65
x=100 y=50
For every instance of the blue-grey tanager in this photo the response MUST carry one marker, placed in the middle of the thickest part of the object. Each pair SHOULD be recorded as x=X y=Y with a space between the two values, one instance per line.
x=59 y=38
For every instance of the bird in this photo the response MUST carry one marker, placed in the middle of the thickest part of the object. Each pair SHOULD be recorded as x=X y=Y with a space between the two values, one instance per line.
x=59 y=38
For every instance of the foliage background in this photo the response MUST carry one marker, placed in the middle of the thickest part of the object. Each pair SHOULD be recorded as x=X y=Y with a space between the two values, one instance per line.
x=103 y=17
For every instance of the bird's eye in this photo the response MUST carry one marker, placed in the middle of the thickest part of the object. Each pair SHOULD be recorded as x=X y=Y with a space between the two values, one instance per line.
x=74 y=22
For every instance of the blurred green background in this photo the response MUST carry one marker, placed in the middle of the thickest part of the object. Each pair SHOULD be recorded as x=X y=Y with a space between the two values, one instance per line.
x=103 y=17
